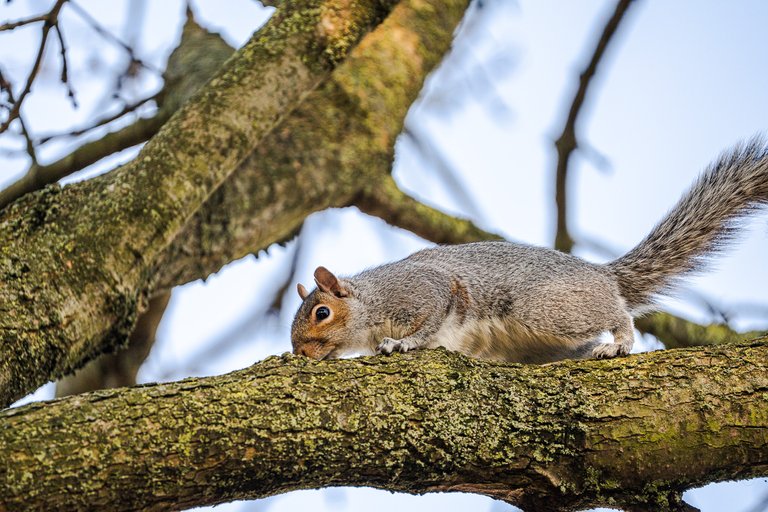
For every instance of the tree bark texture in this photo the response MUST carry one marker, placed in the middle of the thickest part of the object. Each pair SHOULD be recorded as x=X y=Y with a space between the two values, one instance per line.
x=337 y=143
x=76 y=263
x=632 y=432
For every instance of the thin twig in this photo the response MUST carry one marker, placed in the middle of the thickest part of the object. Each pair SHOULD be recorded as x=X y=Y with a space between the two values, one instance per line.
x=127 y=109
x=106 y=34
x=50 y=21
x=760 y=506
x=568 y=142
x=277 y=301
x=446 y=170
x=21 y=23
x=38 y=176
x=29 y=144
x=64 y=68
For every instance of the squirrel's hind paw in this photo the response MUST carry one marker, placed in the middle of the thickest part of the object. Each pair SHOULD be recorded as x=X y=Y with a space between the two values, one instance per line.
x=609 y=350
x=390 y=345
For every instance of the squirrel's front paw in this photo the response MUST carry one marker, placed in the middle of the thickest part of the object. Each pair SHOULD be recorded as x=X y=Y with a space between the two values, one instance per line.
x=389 y=345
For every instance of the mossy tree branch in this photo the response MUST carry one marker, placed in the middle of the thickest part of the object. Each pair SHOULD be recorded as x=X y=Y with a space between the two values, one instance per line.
x=330 y=148
x=119 y=369
x=76 y=263
x=384 y=199
x=675 y=332
x=632 y=432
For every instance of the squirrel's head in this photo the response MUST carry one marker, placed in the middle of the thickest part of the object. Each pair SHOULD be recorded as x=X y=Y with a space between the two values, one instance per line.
x=320 y=329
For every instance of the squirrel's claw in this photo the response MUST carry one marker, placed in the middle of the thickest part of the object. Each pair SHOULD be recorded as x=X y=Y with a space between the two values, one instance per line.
x=390 y=345
x=609 y=350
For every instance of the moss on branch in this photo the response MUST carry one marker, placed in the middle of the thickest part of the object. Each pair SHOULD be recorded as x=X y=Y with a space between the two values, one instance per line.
x=76 y=263
x=632 y=432
x=338 y=142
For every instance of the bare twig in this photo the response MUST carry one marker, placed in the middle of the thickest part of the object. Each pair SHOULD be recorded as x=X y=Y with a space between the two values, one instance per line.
x=190 y=65
x=21 y=23
x=50 y=21
x=277 y=301
x=109 y=36
x=29 y=145
x=568 y=141
x=760 y=506
x=64 y=77
x=40 y=175
x=127 y=109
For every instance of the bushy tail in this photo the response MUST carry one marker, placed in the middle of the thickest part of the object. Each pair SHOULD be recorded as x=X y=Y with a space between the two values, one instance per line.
x=701 y=224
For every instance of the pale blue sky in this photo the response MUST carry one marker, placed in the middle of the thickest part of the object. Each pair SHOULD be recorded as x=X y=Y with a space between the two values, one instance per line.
x=683 y=81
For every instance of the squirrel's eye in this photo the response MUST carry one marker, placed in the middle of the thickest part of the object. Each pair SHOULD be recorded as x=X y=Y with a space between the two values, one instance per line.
x=322 y=313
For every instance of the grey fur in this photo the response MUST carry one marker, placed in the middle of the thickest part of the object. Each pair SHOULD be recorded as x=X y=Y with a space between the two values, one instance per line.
x=513 y=302
x=701 y=224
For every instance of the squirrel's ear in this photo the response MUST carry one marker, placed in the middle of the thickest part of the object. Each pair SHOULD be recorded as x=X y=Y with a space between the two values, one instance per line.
x=329 y=283
x=302 y=291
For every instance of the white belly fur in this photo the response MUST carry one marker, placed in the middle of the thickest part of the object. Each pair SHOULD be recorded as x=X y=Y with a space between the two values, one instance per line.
x=503 y=339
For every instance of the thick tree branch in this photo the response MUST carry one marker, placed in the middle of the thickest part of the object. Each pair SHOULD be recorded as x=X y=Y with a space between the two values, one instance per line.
x=119 y=369
x=568 y=141
x=632 y=432
x=94 y=243
x=339 y=140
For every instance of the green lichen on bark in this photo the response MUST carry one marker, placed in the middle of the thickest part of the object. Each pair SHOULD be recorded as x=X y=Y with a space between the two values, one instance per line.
x=332 y=146
x=631 y=432
x=92 y=247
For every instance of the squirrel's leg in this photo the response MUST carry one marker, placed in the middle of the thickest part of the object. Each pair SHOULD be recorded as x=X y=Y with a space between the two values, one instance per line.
x=414 y=341
x=623 y=338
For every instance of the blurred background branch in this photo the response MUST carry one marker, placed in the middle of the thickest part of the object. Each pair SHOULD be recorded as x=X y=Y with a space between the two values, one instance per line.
x=568 y=141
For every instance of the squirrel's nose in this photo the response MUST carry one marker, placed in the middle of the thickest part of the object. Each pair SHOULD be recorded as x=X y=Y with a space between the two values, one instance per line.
x=300 y=351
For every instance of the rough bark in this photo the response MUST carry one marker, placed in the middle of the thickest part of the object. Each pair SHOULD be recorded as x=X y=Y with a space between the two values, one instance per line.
x=75 y=263
x=119 y=369
x=632 y=432
x=334 y=145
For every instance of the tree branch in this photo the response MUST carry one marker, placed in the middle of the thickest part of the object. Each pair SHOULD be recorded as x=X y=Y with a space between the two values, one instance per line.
x=341 y=138
x=567 y=142
x=632 y=432
x=119 y=369
x=96 y=243
x=384 y=199
x=675 y=332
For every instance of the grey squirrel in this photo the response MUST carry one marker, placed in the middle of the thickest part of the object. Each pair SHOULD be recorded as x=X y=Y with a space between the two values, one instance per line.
x=511 y=302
